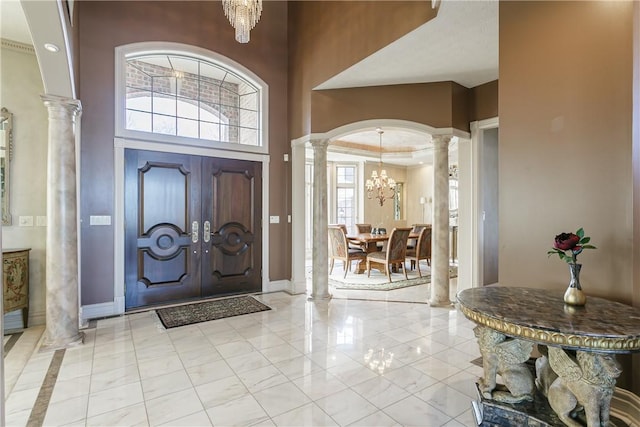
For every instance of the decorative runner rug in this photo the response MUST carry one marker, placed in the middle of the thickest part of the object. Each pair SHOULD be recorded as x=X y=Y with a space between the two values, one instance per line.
x=181 y=315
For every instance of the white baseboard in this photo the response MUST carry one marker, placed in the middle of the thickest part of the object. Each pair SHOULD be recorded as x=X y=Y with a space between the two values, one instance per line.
x=299 y=287
x=277 y=286
x=626 y=406
x=105 y=309
x=37 y=318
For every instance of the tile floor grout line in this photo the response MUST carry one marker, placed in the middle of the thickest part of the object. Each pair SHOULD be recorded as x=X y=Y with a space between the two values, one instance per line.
x=39 y=410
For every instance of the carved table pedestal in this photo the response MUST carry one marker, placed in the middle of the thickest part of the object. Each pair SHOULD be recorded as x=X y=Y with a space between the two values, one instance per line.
x=574 y=378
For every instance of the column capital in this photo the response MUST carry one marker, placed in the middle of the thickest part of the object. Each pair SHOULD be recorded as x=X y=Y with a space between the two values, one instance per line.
x=441 y=139
x=319 y=144
x=73 y=106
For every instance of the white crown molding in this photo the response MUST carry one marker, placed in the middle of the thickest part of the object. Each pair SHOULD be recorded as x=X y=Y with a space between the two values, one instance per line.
x=17 y=46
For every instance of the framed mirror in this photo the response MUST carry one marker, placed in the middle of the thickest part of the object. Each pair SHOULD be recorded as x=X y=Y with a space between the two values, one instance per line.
x=453 y=195
x=6 y=147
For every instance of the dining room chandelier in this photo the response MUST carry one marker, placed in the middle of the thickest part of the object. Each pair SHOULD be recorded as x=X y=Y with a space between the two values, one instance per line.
x=381 y=186
x=243 y=16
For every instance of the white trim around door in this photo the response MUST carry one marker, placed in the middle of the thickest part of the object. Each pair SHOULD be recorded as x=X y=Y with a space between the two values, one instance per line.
x=117 y=306
x=477 y=238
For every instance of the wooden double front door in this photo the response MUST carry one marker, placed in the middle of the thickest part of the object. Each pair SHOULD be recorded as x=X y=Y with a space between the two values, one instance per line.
x=192 y=227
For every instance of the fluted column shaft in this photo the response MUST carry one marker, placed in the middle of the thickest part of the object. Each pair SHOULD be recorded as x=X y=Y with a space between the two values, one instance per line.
x=320 y=273
x=440 y=227
x=62 y=326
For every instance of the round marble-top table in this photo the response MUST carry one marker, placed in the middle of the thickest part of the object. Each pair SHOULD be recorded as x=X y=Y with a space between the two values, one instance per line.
x=577 y=371
x=541 y=316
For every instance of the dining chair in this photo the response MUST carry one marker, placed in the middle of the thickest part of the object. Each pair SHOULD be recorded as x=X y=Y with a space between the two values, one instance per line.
x=395 y=252
x=363 y=228
x=416 y=229
x=340 y=249
x=422 y=249
x=353 y=245
x=343 y=226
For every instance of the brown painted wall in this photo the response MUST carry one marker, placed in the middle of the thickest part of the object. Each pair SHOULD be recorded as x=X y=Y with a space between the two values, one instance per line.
x=326 y=37
x=104 y=25
x=636 y=178
x=442 y=104
x=483 y=101
x=565 y=143
x=459 y=107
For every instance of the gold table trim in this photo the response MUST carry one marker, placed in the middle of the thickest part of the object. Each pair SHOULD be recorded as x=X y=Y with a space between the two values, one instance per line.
x=580 y=342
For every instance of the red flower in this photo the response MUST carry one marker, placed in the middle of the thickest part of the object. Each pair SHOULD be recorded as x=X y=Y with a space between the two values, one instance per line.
x=566 y=241
x=573 y=242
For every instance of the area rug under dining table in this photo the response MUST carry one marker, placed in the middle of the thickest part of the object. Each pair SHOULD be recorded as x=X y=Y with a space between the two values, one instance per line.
x=379 y=282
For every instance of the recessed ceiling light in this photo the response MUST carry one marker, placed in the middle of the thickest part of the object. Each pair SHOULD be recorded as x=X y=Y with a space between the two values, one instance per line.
x=51 y=47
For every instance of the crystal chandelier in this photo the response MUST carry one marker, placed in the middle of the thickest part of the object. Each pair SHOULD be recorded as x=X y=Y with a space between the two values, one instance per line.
x=380 y=186
x=243 y=16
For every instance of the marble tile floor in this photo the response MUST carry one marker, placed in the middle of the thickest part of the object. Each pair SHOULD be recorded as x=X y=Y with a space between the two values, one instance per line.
x=357 y=360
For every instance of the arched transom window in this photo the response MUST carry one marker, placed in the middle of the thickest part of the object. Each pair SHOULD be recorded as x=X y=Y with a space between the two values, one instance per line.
x=183 y=96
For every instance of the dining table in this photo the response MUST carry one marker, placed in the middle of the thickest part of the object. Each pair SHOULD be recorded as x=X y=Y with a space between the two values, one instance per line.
x=369 y=243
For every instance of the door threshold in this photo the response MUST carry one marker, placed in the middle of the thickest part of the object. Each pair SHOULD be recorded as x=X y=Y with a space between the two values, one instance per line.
x=135 y=310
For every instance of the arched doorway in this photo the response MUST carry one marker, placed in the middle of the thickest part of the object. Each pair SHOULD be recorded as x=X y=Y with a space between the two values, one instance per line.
x=413 y=189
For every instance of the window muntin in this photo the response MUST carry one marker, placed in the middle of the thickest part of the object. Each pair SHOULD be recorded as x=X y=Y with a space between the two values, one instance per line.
x=345 y=195
x=192 y=98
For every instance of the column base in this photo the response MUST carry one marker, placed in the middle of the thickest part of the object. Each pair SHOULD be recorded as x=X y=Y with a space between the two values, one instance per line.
x=445 y=303
x=62 y=343
x=325 y=297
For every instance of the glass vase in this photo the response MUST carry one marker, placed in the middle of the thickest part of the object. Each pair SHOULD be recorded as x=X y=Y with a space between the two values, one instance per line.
x=574 y=294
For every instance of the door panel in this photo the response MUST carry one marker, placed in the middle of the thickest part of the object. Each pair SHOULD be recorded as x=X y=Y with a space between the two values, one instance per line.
x=161 y=202
x=191 y=228
x=232 y=259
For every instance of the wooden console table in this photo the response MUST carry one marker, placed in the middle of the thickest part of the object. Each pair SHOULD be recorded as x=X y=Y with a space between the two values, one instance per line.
x=578 y=344
x=16 y=281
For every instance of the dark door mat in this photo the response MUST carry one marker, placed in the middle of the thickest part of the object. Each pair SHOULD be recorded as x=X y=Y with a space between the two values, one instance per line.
x=189 y=314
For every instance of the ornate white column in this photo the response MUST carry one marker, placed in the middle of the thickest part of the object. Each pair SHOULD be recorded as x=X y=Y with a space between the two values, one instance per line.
x=440 y=228
x=320 y=273
x=62 y=327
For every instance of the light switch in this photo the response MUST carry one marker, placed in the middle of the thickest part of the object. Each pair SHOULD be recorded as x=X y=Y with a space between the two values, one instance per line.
x=41 y=221
x=100 y=220
x=25 y=221
x=274 y=219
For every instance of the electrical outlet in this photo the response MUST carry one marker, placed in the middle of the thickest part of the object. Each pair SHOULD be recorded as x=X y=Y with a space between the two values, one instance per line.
x=25 y=221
